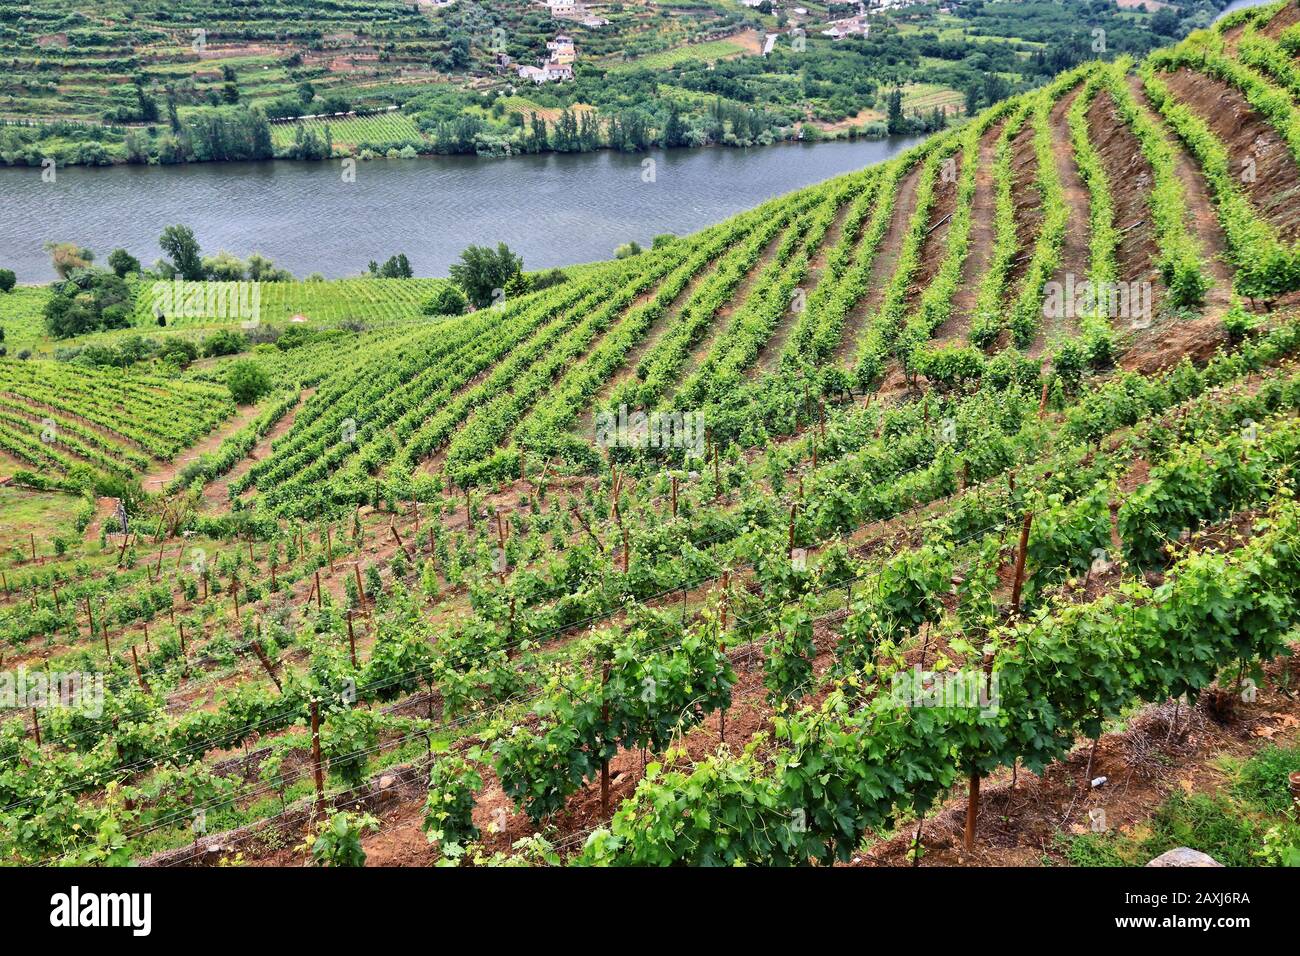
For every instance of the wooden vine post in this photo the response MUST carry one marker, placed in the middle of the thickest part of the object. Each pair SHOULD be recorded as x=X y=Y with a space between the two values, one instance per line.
x=410 y=555
x=352 y=641
x=319 y=598
x=315 y=760
x=264 y=660
x=1020 y=562
x=604 y=716
x=626 y=550
x=794 y=513
x=722 y=648
x=510 y=636
x=329 y=546
x=616 y=487
x=36 y=727
x=135 y=660
x=973 y=798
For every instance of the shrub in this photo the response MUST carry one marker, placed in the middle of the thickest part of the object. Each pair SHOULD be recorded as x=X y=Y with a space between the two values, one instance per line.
x=338 y=842
x=448 y=300
x=224 y=342
x=247 y=382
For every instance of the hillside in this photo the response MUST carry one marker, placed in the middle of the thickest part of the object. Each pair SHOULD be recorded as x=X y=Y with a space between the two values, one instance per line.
x=142 y=82
x=869 y=527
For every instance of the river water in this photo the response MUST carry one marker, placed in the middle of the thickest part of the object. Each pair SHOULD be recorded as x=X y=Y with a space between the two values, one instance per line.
x=553 y=209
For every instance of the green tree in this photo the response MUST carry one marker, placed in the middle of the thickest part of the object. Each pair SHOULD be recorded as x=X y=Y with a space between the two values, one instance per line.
x=123 y=263
x=7 y=280
x=178 y=242
x=397 y=267
x=896 y=122
x=481 y=272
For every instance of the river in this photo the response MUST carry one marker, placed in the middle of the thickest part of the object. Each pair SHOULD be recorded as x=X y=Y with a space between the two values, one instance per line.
x=553 y=209
x=1236 y=5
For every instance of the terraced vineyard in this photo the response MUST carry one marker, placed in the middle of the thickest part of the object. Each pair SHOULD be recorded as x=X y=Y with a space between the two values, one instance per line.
x=326 y=302
x=871 y=526
x=354 y=131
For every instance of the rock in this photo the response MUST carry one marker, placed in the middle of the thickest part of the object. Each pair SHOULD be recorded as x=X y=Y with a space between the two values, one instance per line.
x=1184 y=856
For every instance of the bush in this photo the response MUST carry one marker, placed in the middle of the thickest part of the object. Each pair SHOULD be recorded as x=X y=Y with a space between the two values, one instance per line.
x=448 y=812
x=1238 y=323
x=338 y=842
x=7 y=280
x=179 y=352
x=448 y=300
x=224 y=342
x=93 y=300
x=1263 y=779
x=247 y=382
x=123 y=263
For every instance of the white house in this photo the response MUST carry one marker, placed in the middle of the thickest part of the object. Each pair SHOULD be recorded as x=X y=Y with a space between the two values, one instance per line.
x=562 y=49
x=851 y=27
x=548 y=72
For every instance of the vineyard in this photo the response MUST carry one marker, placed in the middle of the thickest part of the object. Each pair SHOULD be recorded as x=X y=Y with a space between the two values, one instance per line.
x=353 y=131
x=368 y=300
x=943 y=513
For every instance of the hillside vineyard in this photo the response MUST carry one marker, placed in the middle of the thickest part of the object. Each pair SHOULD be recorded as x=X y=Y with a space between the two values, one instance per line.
x=873 y=525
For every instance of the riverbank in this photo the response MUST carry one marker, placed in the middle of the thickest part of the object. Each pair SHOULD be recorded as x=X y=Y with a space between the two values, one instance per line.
x=383 y=134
